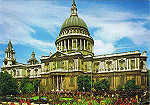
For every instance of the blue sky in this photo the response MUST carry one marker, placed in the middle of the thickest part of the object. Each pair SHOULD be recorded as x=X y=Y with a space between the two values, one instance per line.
x=115 y=25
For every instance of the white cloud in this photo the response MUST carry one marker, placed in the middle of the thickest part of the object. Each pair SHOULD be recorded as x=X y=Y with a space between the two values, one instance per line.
x=17 y=17
x=111 y=26
x=102 y=48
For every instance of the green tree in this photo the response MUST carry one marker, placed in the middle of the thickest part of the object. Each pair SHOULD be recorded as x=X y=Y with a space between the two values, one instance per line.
x=104 y=84
x=131 y=85
x=84 y=83
x=29 y=88
x=36 y=84
x=26 y=86
x=8 y=84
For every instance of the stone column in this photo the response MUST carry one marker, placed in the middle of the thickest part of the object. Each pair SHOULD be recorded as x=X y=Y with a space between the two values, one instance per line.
x=72 y=44
x=104 y=65
x=138 y=63
x=135 y=64
x=5 y=55
x=57 y=84
x=65 y=47
x=53 y=84
x=61 y=84
x=116 y=65
x=80 y=44
x=127 y=64
x=84 y=44
x=68 y=44
x=119 y=65
x=77 y=64
x=99 y=66
x=87 y=45
x=76 y=44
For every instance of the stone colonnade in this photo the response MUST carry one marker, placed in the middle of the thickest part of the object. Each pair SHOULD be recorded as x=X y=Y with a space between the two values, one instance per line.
x=115 y=64
x=74 y=44
x=59 y=82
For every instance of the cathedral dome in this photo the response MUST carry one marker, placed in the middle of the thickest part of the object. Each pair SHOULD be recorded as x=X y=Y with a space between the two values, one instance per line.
x=74 y=35
x=74 y=21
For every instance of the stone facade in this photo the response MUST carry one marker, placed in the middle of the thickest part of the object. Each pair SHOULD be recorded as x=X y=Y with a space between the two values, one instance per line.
x=74 y=56
x=19 y=70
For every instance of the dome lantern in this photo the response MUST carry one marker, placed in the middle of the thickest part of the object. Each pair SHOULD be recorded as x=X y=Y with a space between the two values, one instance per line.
x=74 y=9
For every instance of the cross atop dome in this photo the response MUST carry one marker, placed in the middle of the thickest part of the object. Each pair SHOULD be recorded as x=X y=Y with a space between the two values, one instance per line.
x=74 y=9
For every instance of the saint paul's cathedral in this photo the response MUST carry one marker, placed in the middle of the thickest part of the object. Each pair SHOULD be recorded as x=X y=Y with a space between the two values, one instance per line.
x=73 y=57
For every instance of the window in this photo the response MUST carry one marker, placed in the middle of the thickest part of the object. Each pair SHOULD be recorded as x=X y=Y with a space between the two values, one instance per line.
x=132 y=64
x=36 y=70
x=70 y=64
x=122 y=64
x=58 y=64
x=141 y=64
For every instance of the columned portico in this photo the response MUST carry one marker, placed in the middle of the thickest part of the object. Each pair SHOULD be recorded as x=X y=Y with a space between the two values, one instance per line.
x=57 y=83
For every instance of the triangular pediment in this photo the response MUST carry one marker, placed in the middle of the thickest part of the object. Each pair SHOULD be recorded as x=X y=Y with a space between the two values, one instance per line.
x=58 y=54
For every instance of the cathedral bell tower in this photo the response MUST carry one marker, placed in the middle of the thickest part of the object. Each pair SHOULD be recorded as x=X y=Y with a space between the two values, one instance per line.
x=33 y=60
x=9 y=55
